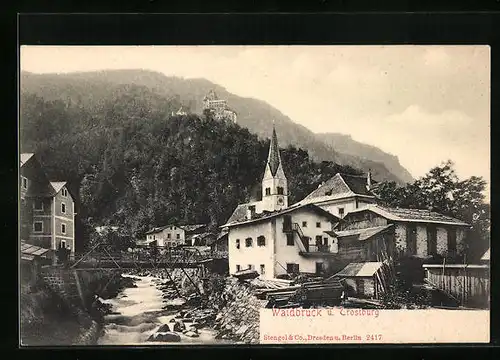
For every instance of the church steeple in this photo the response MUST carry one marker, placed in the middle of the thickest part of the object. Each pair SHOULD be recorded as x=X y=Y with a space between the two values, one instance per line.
x=274 y=183
x=274 y=159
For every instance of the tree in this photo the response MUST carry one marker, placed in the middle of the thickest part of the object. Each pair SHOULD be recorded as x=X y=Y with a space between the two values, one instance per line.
x=441 y=190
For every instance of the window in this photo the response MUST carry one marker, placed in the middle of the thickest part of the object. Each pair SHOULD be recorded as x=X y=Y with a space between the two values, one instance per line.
x=289 y=240
x=63 y=208
x=318 y=224
x=178 y=236
x=268 y=191
x=63 y=228
x=63 y=244
x=261 y=241
x=251 y=267
x=328 y=193
x=168 y=236
x=292 y=268
x=24 y=182
x=38 y=205
x=262 y=269
x=304 y=223
x=411 y=238
x=452 y=240
x=318 y=240
x=64 y=192
x=341 y=212
x=325 y=241
x=237 y=243
x=319 y=268
x=431 y=240
x=38 y=226
x=248 y=242
x=280 y=190
x=238 y=268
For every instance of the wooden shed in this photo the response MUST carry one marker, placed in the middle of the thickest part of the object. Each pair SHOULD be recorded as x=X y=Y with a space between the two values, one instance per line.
x=363 y=280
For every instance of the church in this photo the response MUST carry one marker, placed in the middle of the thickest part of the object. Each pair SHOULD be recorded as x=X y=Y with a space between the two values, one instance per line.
x=272 y=238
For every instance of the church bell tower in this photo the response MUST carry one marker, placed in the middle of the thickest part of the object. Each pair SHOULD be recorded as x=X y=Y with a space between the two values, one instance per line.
x=274 y=183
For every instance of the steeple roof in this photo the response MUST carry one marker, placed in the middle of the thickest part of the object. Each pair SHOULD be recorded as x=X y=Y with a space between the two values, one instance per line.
x=274 y=159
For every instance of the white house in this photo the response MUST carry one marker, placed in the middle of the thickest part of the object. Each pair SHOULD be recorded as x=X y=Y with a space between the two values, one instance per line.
x=174 y=235
x=274 y=239
x=343 y=193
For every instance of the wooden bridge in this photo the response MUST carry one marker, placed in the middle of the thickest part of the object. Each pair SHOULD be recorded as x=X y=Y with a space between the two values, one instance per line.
x=101 y=257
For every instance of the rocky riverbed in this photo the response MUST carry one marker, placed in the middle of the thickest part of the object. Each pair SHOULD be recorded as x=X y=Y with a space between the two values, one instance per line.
x=155 y=313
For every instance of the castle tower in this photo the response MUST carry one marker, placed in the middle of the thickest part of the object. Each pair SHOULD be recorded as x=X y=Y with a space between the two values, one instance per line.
x=274 y=183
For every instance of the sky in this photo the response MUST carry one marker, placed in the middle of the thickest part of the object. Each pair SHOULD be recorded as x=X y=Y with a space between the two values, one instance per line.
x=424 y=104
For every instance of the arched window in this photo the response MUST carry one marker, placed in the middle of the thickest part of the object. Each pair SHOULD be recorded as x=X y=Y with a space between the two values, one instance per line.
x=261 y=241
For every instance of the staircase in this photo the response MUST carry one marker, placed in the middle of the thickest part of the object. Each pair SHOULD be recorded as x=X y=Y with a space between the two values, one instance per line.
x=302 y=241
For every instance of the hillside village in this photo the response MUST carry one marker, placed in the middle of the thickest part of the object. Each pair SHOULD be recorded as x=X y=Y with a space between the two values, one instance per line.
x=339 y=243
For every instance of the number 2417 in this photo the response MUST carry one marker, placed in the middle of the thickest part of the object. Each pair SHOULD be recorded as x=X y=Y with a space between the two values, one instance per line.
x=374 y=337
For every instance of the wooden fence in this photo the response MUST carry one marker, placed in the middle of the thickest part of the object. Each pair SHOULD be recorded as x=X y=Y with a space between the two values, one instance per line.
x=469 y=284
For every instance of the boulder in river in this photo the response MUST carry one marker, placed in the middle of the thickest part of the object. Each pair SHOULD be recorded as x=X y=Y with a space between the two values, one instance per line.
x=179 y=326
x=192 y=334
x=166 y=337
x=164 y=328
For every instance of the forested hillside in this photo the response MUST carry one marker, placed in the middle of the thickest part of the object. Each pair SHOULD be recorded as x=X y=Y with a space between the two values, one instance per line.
x=131 y=164
x=88 y=89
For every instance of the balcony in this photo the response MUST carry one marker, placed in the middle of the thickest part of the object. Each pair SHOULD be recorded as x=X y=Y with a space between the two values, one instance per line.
x=318 y=251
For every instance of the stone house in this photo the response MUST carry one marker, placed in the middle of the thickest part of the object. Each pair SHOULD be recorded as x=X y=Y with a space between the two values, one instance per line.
x=218 y=107
x=47 y=208
x=414 y=232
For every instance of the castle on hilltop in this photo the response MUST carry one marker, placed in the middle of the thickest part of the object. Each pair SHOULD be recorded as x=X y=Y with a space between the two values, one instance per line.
x=218 y=107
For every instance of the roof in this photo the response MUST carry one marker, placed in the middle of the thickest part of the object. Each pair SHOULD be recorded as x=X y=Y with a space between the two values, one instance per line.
x=362 y=234
x=340 y=186
x=211 y=96
x=274 y=154
x=186 y=228
x=25 y=157
x=193 y=227
x=486 y=255
x=57 y=185
x=359 y=269
x=239 y=215
x=410 y=215
x=28 y=250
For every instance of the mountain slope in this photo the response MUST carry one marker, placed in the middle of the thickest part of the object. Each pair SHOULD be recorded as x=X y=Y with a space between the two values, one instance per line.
x=89 y=88
x=346 y=145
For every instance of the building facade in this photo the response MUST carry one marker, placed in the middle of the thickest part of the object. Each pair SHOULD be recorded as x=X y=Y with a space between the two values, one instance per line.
x=174 y=235
x=418 y=233
x=47 y=208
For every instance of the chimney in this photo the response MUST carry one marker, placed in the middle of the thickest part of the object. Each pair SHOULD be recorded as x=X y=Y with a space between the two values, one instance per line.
x=250 y=212
x=369 y=179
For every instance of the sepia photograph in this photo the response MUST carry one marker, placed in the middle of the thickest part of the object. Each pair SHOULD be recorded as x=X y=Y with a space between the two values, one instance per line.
x=224 y=195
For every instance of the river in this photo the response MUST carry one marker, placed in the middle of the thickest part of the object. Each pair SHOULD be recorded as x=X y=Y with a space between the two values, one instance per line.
x=137 y=314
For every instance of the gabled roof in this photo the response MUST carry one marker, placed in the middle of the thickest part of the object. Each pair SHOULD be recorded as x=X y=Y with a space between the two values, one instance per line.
x=24 y=157
x=340 y=186
x=362 y=234
x=57 y=185
x=486 y=255
x=193 y=227
x=239 y=216
x=410 y=215
x=359 y=269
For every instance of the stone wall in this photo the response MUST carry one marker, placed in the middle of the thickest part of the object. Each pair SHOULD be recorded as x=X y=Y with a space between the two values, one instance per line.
x=238 y=316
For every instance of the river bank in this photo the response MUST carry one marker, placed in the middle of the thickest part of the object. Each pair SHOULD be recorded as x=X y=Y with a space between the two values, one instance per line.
x=153 y=314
